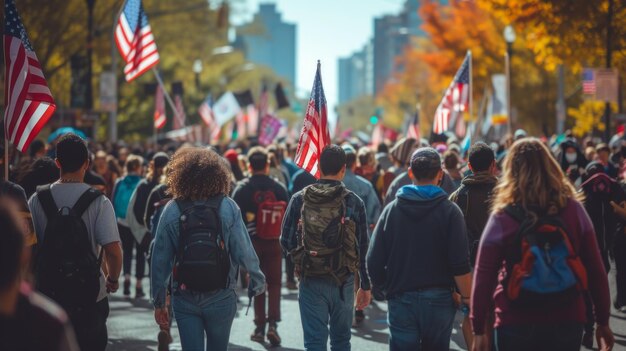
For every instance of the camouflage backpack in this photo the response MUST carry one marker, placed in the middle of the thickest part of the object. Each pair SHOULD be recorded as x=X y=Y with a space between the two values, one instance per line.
x=327 y=245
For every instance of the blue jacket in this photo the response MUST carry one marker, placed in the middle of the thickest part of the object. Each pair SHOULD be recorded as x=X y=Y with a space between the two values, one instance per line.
x=238 y=245
x=419 y=242
x=364 y=189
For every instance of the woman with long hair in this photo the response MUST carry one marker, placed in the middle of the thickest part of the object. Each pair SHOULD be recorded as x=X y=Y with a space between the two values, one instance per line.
x=199 y=181
x=534 y=185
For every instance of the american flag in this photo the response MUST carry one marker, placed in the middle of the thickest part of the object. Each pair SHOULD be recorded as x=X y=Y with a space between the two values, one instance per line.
x=135 y=40
x=29 y=103
x=270 y=126
x=413 y=126
x=206 y=112
x=455 y=102
x=181 y=117
x=314 y=135
x=589 y=81
x=159 y=109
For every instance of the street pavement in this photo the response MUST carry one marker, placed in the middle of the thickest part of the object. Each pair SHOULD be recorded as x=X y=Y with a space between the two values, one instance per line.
x=132 y=328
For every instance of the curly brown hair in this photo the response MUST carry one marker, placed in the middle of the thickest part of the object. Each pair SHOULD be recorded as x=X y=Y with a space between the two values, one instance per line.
x=197 y=174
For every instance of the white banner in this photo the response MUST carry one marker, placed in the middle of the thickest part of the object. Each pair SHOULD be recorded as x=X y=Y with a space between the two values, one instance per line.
x=225 y=108
x=108 y=92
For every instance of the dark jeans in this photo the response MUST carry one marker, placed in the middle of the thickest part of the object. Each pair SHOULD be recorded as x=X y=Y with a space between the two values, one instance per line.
x=326 y=308
x=619 y=253
x=538 y=337
x=128 y=244
x=91 y=330
x=271 y=263
x=421 y=320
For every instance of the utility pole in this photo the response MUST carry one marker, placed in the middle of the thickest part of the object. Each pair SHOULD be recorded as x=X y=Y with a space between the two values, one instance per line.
x=609 y=54
x=113 y=113
x=89 y=88
x=560 y=101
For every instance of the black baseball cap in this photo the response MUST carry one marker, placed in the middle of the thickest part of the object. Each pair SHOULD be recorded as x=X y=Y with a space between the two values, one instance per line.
x=425 y=158
x=160 y=159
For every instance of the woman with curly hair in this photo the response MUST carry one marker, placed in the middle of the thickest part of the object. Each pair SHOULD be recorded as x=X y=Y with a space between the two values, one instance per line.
x=533 y=186
x=203 y=293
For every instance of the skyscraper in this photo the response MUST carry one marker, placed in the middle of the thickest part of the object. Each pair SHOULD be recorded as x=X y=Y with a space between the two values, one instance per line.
x=268 y=40
x=356 y=74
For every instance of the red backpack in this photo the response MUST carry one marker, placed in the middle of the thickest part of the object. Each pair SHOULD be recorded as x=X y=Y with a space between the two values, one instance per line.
x=269 y=215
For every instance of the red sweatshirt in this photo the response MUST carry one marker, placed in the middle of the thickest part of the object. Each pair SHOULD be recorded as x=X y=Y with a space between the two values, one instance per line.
x=487 y=288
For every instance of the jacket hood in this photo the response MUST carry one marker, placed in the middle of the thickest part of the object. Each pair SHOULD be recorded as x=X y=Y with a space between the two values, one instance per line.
x=479 y=178
x=131 y=178
x=416 y=201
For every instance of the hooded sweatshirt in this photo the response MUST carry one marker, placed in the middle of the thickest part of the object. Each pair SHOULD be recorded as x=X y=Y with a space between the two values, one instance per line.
x=420 y=242
x=473 y=197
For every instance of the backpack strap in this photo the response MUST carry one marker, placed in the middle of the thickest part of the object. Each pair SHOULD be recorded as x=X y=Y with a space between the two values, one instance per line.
x=85 y=200
x=47 y=201
x=516 y=212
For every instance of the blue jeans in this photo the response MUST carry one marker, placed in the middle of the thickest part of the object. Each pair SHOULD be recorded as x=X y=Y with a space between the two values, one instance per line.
x=199 y=315
x=322 y=304
x=539 y=337
x=421 y=320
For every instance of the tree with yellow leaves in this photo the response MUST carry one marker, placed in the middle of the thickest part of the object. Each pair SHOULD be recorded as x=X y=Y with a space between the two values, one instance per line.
x=430 y=64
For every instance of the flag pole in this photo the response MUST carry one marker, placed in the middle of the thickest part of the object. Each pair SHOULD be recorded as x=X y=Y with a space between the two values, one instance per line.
x=6 y=158
x=168 y=98
x=471 y=86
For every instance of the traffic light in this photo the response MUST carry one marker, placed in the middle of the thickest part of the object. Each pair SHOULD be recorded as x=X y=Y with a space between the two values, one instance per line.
x=374 y=119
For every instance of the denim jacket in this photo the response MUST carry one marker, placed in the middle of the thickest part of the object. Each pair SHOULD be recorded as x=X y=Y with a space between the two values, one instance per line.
x=364 y=189
x=237 y=242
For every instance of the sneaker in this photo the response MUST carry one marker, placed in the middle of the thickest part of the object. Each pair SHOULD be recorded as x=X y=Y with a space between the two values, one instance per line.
x=164 y=339
x=272 y=336
x=291 y=285
x=127 y=287
x=258 y=335
x=587 y=341
x=139 y=293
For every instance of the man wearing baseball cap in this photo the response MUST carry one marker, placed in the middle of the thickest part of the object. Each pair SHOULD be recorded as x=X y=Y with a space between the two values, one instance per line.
x=418 y=255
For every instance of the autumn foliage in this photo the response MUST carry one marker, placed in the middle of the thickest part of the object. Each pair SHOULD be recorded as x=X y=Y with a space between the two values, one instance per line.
x=549 y=33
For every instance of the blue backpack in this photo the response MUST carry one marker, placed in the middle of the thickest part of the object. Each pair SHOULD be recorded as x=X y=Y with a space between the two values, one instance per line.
x=124 y=189
x=543 y=268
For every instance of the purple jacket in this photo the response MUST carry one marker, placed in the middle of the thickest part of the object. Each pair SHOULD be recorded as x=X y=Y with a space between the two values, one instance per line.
x=487 y=290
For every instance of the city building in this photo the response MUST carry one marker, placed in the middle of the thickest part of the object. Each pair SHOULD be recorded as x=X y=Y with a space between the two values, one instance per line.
x=356 y=73
x=268 y=40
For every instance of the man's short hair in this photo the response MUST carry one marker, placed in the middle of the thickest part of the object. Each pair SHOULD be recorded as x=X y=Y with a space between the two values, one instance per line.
x=35 y=147
x=11 y=247
x=481 y=157
x=133 y=162
x=71 y=152
x=258 y=158
x=425 y=163
x=332 y=160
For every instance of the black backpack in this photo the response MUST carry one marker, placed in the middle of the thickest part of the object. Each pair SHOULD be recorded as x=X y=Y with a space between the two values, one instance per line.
x=202 y=261
x=67 y=269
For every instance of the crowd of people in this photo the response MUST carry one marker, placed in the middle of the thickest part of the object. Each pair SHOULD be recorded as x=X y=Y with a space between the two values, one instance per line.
x=518 y=237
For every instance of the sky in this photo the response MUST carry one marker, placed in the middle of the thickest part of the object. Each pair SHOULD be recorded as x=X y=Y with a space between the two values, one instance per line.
x=326 y=30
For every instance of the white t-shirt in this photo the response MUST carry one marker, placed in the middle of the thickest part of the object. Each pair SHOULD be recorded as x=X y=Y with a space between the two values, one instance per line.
x=99 y=218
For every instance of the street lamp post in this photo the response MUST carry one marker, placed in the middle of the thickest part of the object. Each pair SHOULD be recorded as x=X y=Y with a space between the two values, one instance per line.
x=197 y=69
x=89 y=88
x=509 y=37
